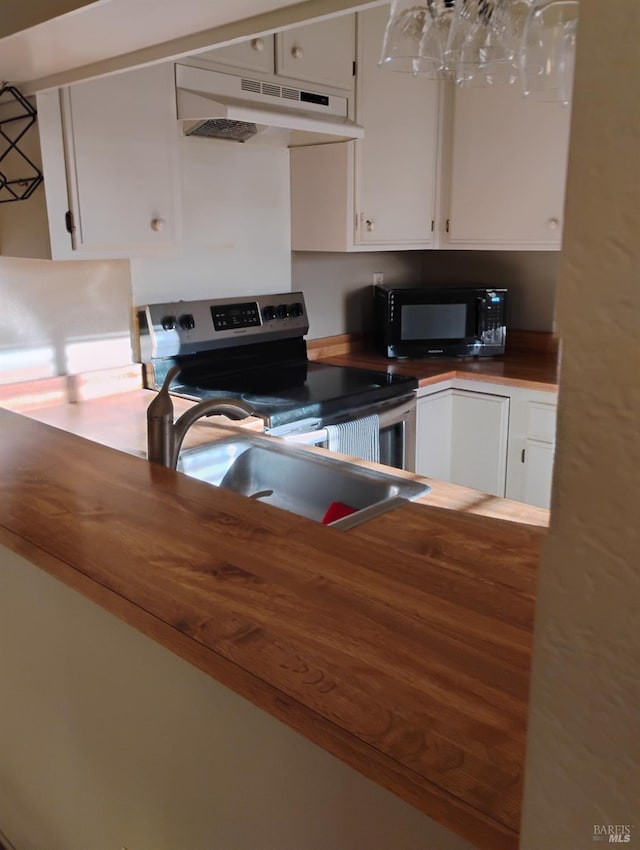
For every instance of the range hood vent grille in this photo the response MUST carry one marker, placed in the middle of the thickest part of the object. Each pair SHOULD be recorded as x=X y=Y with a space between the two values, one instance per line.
x=270 y=89
x=250 y=85
x=224 y=128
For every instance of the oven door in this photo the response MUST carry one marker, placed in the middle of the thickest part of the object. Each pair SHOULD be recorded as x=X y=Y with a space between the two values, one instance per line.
x=397 y=431
x=398 y=436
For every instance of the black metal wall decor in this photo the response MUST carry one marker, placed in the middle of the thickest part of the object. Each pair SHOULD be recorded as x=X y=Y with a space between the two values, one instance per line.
x=19 y=176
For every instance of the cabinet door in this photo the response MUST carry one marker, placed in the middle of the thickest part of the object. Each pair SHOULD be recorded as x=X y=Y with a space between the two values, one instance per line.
x=508 y=162
x=433 y=435
x=479 y=441
x=538 y=454
x=538 y=472
x=322 y=53
x=396 y=160
x=121 y=137
x=256 y=54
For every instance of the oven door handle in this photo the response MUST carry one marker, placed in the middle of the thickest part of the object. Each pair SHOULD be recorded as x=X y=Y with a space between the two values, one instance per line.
x=308 y=438
x=387 y=418
x=402 y=415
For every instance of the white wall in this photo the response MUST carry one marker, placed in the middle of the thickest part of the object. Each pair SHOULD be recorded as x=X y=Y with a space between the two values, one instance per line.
x=530 y=276
x=337 y=287
x=583 y=765
x=110 y=741
x=60 y=318
x=68 y=317
x=236 y=234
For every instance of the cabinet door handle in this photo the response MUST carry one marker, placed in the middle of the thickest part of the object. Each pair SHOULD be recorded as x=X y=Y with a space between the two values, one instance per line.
x=257 y=44
x=297 y=52
x=522 y=456
x=158 y=225
x=371 y=225
x=553 y=224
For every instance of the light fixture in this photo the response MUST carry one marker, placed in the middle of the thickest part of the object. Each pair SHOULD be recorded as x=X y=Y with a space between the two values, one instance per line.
x=486 y=42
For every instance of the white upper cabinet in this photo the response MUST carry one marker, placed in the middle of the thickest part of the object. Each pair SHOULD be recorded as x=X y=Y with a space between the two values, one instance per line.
x=504 y=182
x=256 y=55
x=396 y=161
x=109 y=151
x=321 y=54
x=379 y=192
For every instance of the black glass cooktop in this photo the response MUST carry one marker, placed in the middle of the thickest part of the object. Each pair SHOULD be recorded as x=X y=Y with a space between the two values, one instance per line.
x=278 y=381
x=301 y=391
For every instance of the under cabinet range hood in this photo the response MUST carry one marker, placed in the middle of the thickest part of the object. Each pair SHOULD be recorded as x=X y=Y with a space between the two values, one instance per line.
x=225 y=106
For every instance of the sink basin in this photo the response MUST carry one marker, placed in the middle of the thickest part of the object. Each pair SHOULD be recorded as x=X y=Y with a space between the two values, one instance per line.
x=297 y=480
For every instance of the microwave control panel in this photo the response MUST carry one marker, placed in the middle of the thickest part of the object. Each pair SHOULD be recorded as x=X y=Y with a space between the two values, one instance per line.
x=491 y=312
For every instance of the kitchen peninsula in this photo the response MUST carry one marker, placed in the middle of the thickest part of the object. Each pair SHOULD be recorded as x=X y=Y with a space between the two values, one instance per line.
x=402 y=646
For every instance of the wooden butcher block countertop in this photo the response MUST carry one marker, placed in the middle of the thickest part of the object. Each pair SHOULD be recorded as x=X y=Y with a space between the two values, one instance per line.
x=403 y=646
x=531 y=361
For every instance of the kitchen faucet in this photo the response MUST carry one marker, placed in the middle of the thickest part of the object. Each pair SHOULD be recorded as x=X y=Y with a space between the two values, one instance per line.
x=165 y=437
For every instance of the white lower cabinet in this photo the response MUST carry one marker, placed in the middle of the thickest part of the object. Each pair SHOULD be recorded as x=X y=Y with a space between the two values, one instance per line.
x=538 y=471
x=479 y=441
x=433 y=438
x=501 y=443
x=462 y=438
x=532 y=442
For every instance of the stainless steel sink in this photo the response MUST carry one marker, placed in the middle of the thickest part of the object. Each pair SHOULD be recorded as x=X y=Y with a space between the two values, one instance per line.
x=297 y=480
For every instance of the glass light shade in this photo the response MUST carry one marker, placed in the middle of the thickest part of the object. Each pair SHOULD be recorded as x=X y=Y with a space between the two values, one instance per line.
x=548 y=51
x=488 y=74
x=403 y=36
x=480 y=32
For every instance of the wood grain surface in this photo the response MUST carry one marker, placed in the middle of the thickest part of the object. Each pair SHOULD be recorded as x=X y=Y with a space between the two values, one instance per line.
x=403 y=647
x=531 y=361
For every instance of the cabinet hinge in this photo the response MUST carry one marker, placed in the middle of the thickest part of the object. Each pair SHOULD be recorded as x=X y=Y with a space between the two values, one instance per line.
x=522 y=456
x=354 y=67
x=68 y=221
x=446 y=227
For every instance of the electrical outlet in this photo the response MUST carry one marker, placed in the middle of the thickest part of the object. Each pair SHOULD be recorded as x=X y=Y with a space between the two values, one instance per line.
x=378 y=278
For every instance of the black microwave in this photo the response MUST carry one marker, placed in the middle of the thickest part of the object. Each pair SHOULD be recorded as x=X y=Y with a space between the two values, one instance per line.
x=438 y=322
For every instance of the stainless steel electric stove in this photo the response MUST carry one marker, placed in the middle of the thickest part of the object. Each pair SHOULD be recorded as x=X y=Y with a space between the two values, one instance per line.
x=253 y=348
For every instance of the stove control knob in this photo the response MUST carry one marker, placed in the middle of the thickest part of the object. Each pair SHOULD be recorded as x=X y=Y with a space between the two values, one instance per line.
x=282 y=311
x=295 y=310
x=168 y=323
x=269 y=313
x=187 y=322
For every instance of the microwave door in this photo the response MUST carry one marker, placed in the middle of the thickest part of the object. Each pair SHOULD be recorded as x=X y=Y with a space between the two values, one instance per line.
x=440 y=322
x=436 y=322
